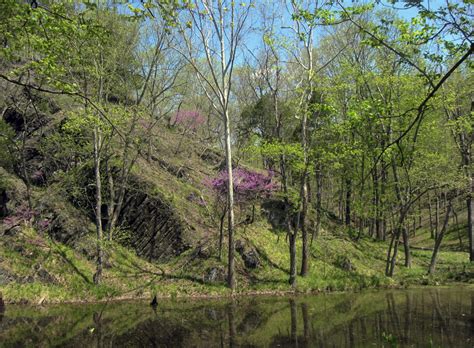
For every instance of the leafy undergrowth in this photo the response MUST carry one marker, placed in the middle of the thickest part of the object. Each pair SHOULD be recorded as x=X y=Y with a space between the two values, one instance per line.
x=35 y=269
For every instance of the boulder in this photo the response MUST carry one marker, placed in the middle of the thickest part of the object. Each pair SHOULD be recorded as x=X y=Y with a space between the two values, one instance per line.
x=251 y=259
x=214 y=275
x=249 y=255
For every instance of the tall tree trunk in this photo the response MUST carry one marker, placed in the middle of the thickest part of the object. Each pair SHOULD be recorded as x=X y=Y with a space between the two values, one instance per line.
x=319 y=191
x=111 y=205
x=420 y=214
x=221 y=231
x=431 y=218
x=400 y=229
x=304 y=232
x=340 y=201
x=230 y=204
x=392 y=258
x=383 y=200
x=389 y=253
x=348 y=202
x=436 y=217
x=470 y=218
x=292 y=249
x=127 y=164
x=98 y=204
x=376 y=204
x=290 y=232
x=304 y=188
x=456 y=223
x=466 y=140
x=24 y=167
x=439 y=239
x=406 y=247
x=361 y=197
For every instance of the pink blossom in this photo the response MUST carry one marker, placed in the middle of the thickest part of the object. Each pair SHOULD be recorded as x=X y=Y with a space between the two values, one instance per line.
x=248 y=185
x=189 y=119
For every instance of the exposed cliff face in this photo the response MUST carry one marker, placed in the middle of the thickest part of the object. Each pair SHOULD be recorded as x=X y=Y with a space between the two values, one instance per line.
x=157 y=219
x=156 y=231
x=150 y=224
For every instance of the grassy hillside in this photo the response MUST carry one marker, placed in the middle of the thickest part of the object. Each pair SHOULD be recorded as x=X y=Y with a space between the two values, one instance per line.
x=47 y=271
x=44 y=265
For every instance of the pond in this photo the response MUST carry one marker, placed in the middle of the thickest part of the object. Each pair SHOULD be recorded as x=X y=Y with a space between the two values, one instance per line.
x=428 y=317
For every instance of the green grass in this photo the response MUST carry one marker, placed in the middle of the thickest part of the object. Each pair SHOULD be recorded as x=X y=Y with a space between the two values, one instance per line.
x=128 y=277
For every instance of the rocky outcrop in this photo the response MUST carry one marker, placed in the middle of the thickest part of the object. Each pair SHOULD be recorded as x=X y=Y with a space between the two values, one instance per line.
x=274 y=210
x=62 y=204
x=249 y=255
x=211 y=156
x=62 y=221
x=156 y=230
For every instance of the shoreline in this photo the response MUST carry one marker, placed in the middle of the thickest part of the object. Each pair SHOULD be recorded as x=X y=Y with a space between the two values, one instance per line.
x=229 y=295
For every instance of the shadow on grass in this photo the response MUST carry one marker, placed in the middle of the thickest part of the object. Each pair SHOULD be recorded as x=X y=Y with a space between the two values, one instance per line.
x=256 y=280
x=63 y=255
x=162 y=274
x=266 y=258
x=192 y=279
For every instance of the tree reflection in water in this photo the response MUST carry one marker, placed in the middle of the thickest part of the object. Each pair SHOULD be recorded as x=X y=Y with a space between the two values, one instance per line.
x=422 y=317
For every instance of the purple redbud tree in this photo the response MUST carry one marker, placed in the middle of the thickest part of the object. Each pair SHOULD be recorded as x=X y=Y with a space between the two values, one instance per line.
x=249 y=187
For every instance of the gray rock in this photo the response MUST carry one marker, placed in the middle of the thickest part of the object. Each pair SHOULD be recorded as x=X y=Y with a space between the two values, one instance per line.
x=6 y=277
x=26 y=280
x=214 y=274
x=251 y=259
x=45 y=277
x=248 y=254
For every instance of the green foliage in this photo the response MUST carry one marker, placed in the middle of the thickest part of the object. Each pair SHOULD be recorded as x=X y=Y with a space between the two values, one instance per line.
x=292 y=154
x=371 y=147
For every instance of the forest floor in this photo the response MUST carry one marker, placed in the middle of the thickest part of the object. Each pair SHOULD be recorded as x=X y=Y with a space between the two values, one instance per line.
x=36 y=270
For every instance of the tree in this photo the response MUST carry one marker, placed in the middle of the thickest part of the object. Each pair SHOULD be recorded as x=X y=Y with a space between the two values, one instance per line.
x=249 y=187
x=458 y=107
x=213 y=34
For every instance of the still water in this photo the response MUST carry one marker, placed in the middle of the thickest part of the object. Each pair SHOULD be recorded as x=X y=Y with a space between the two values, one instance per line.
x=396 y=318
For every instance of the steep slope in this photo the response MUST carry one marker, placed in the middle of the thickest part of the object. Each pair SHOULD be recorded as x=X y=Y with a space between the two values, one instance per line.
x=167 y=240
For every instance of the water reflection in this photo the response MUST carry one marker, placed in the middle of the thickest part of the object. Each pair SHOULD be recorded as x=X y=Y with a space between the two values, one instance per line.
x=424 y=317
